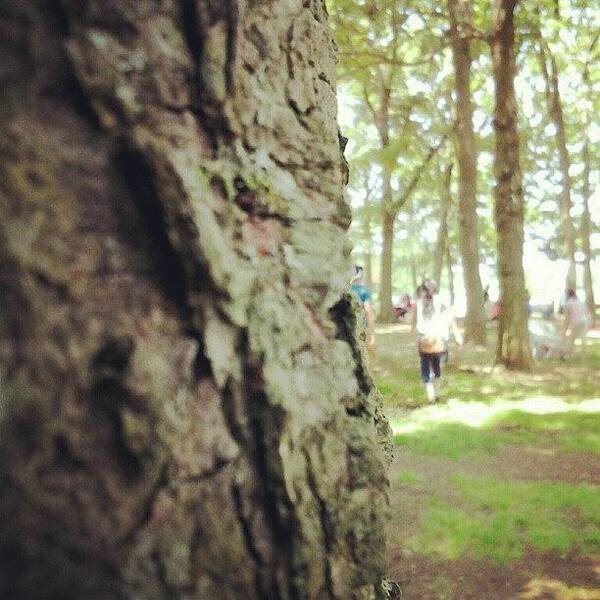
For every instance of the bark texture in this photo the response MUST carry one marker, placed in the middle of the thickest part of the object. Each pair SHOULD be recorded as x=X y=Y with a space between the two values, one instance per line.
x=513 y=337
x=185 y=410
x=468 y=236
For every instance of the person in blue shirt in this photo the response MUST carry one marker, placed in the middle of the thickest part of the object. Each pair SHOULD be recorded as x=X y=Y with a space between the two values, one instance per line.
x=364 y=297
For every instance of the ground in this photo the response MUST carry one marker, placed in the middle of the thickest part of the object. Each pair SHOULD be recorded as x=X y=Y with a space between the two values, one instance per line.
x=495 y=490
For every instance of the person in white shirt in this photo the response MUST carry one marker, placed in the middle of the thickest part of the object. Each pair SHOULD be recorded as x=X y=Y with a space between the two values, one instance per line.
x=577 y=321
x=433 y=324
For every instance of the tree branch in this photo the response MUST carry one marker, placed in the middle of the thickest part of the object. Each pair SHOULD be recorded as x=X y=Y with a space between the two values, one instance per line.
x=396 y=205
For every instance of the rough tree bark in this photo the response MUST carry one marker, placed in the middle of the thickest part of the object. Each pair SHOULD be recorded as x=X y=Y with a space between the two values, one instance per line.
x=442 y=237
x=512 y=348
x=468 y=237
x=567 y=228
x=185 y=410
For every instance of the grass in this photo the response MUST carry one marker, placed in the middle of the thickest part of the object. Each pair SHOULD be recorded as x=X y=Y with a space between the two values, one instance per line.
x=456 y=505
x=408 y=477
x=501 y=520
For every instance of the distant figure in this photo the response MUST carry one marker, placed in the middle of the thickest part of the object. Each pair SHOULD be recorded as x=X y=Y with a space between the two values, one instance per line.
x=405 y=306
x=364 y=297
x=576 y=323
x=433 y=325
x=488 y=306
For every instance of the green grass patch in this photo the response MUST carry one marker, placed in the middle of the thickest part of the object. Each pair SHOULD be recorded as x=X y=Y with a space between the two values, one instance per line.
x=500 y=520
x=572 y=431
x=408 y=477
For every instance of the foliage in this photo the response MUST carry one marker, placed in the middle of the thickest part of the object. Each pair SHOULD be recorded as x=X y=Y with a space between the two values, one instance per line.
x=403 y=46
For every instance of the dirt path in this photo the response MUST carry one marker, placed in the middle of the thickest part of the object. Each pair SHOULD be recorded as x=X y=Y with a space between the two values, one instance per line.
x=539 y=576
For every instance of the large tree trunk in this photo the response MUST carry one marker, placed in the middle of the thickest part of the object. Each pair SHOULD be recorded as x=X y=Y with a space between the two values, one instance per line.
x=567 y=229
x=185 y=408
x=442 y=237
x=468 y=236
x=513 y=337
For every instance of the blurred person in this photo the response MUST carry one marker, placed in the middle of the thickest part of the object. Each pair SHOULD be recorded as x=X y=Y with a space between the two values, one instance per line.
x=433 y=325
x=576 y=322
x=406 y=305
x=363 y=294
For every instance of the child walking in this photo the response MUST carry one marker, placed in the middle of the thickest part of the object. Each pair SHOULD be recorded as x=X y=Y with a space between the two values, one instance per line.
x=433 y=324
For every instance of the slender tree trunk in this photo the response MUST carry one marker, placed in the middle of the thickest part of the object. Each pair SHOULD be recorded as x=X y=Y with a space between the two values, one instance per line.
x=449 y=265
x=368 y=238
x=185 y=408
x=368 y=256
x=513 y=337
x=567 y=229
x=386 y=309
x=391 y=207
x=442 y=238
x=468 y=237
x=586 y=219
x=586 y=228
x=388 y=214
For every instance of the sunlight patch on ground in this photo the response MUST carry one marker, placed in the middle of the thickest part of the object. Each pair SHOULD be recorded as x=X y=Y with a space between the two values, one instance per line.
x=544 y=587
x=476 y=414
x=392 y=328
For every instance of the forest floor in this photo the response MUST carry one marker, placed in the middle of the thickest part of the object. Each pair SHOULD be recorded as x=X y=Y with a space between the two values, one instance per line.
x=495 y=489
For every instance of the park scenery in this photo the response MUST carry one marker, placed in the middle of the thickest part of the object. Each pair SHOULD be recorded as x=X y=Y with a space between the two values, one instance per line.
x=299 y=300
x=470 y=135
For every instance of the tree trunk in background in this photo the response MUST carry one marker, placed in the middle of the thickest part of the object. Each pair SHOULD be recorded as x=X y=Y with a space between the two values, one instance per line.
x=381 y=117
x=468 y=236
x=386 y=308
x=586 y=228
x=367 y=234
x=586 y=219
x=449 y=264
x=390 y=209
x=513 y=337
x=567 y=229
x=186 y=411
x=442 y=238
